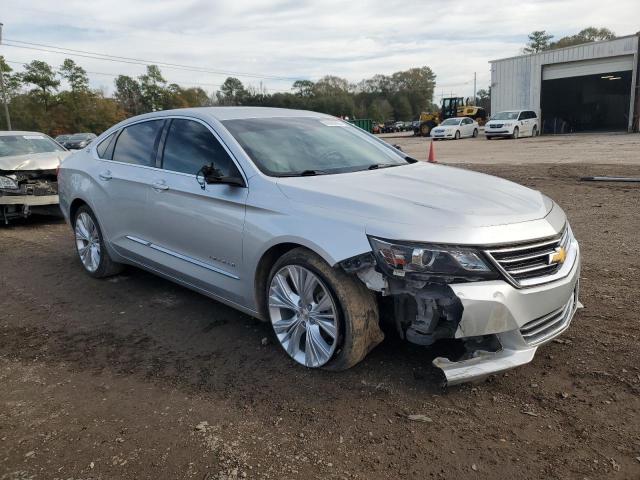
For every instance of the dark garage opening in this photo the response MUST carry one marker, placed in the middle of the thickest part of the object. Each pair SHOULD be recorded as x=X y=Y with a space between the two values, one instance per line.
x=586 y=104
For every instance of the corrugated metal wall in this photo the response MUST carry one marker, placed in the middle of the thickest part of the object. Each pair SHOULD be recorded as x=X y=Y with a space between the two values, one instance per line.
x=516 y=81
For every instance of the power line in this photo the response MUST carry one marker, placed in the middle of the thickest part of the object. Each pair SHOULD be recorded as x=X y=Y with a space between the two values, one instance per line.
x=134 y=61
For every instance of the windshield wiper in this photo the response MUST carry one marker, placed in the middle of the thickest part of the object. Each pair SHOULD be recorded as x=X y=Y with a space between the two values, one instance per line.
x=376 y=166
x=305 y=173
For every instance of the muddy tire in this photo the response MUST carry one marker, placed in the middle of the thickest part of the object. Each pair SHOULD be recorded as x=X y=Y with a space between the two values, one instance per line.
x=90 y=246
x=457 y=135
x=334 y=297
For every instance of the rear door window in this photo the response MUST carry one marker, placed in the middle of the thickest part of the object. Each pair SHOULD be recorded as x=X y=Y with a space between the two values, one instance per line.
x=190 y=145
x=137 y=143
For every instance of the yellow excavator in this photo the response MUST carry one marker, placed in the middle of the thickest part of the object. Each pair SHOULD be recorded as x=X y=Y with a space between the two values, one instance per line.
x=451 y=107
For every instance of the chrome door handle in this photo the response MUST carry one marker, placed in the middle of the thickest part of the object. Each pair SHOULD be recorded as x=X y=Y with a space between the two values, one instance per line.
x=159 y=186
x=106 y=175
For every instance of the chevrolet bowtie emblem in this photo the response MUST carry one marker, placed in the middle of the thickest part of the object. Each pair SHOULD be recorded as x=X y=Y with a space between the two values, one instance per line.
x=558 y=256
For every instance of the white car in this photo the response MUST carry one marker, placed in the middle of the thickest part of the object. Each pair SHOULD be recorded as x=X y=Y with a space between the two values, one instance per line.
x=456 y=128
x=513 y=124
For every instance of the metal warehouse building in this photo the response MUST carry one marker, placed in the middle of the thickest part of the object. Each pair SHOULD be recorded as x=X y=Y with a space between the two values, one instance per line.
x=588 y=87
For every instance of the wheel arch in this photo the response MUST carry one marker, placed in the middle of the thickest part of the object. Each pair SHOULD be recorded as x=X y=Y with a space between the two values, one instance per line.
x=268 y=258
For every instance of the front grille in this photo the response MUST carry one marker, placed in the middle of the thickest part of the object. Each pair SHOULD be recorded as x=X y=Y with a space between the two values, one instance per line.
x=545 y=328
x=496 y=125
x=530 y=263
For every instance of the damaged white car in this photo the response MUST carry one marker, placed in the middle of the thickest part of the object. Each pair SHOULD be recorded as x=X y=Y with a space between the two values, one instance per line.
x=28 y=163
x=317 y=227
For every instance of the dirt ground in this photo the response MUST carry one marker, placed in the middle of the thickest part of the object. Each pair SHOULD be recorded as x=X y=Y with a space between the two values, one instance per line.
x=615 y=149
x=135 y=377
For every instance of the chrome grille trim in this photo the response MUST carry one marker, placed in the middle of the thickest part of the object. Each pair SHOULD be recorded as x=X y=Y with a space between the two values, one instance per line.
x=527 y=264
x=547 y=327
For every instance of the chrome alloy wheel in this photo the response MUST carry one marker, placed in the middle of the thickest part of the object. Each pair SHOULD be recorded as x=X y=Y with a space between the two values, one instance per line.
x=88 y=242
x=304 y=315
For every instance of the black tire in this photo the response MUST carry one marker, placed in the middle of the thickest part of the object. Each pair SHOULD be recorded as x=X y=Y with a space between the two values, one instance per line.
x=358 y=318
x=475 y=133
x=425 y=130
x=107 y=267
x=516 y=133
x=457 y=135
x=534 y=132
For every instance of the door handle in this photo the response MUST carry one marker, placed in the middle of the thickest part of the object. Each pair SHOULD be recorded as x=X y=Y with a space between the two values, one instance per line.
x=160 y=186
x=106 y=175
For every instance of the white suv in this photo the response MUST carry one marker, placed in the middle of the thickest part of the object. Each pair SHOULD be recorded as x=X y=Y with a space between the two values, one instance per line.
x=513 y=123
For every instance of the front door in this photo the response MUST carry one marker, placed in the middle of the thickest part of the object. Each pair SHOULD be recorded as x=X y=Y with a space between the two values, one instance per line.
x=195 y=233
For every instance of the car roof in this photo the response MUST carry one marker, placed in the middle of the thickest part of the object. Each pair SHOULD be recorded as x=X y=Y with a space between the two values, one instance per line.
x=7 y=133
x=233 y=113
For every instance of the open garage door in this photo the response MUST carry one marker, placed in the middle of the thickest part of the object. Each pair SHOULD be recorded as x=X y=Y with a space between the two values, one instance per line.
x=586 y=96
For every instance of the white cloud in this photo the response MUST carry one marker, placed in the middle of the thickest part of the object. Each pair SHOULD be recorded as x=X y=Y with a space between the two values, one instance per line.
x=303 y=38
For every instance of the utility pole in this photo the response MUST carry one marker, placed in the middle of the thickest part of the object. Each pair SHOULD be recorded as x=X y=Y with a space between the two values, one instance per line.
x=4 y=92
x=474 y=88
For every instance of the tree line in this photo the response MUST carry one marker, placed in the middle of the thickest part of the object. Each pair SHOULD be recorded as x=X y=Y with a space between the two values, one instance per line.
x=540 y=40
x=38 y=102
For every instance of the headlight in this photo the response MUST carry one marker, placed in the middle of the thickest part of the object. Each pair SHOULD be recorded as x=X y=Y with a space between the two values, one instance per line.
x=449 y=263
x=508 y=124
x=8 y=183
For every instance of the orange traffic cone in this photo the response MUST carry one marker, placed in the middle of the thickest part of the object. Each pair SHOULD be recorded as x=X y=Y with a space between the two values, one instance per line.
x=432 y=154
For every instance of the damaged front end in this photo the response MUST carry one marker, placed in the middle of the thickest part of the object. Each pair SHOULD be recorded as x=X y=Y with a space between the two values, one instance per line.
x=22 y=191
x=435 y=292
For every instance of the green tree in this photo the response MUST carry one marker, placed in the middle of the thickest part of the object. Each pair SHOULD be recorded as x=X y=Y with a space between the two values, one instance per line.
x=75 y=75
x=41 y=75
x=303 y=88
x=402 y=108
x=128 y=94
x=152 y=89
x=232 y=92
x=538 y=41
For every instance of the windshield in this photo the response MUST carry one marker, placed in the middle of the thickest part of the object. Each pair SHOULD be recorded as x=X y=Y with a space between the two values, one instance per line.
x=286 y=146
x=25 y=144
x=451 y=121
x=80 y=136
x=505 y=116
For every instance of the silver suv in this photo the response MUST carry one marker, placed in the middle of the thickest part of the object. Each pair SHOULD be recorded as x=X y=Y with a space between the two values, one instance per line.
x=312 y=224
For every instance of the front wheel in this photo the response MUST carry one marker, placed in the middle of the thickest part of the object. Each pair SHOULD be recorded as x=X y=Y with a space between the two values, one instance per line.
x=457 y=135
x=90 y=245
x=516 y=133
x=321 y=316
x=534 y=132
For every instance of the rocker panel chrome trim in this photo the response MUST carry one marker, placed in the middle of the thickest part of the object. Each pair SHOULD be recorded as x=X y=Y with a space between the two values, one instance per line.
x=180 y=256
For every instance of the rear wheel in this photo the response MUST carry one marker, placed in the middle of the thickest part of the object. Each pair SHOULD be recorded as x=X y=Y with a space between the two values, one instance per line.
x=534 y=132
x=90 y=245
x=321 y=316
x=475 y=132
x=425 y=129
x=516 y=133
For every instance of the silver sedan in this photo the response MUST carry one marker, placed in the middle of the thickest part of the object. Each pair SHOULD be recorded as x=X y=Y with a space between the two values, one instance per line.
x=311 y=224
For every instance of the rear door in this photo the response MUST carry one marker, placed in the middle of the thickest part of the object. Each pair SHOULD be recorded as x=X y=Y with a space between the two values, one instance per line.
x=523 y=124
x=196 y=233
x=124 y=173
x=464 y=128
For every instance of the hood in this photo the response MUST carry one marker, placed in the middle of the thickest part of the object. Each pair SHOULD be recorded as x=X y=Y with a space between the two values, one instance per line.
x=420 y=194
x=33 y=161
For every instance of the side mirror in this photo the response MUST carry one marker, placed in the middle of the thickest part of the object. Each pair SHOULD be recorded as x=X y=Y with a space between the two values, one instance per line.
x=209 y=174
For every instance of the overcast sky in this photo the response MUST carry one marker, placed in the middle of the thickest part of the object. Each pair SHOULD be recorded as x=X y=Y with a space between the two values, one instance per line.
x=300 y=38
